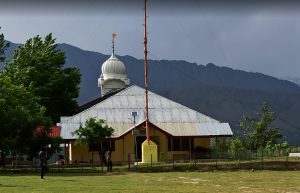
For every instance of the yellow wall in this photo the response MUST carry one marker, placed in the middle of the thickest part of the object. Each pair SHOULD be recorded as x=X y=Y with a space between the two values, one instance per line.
x=125 y=146
x=78 y=153
x=202 y=142
x=118 y=153
x=121 y=154
x=163 y=143
x=81 y=152
x=198 y=142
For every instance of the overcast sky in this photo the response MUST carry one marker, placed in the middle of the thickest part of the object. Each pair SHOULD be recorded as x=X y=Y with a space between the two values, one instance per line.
x=261 y=36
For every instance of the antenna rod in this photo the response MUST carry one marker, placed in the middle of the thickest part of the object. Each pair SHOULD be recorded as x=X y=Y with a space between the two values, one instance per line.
x=146 y=71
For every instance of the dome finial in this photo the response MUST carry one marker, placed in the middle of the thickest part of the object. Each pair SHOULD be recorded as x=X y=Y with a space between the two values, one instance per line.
x=113 y=76
x=113 y=43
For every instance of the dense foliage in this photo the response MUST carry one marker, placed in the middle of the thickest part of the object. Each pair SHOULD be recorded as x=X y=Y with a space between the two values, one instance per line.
x=3 y=46
x=35 y=90
x=20 y=114
x=38 y=65
x=258 y=135
x=257 y=129
x=93 y=132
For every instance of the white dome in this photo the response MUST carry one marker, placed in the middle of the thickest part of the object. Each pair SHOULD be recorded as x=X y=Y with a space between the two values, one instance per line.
x=113 y=66
x=113 y=76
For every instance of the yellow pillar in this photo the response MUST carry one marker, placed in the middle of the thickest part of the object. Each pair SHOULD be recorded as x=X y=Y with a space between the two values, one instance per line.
x=148 y=150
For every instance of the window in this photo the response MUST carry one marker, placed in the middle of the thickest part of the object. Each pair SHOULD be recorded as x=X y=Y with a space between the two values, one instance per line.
x=185 y=144
x=106 y=145
x=179 y=144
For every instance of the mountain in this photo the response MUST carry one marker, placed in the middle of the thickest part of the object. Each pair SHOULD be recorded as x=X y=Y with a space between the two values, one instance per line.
x=295 y=80
x=220 y=92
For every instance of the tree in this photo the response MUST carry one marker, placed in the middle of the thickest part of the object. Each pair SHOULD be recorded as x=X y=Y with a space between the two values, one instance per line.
x=3 y=46
x=38 y=65
x=282 y=148
x=20 y=113
x=93 y=133
x=257 y=130
x=236 y=148
x=271 y=147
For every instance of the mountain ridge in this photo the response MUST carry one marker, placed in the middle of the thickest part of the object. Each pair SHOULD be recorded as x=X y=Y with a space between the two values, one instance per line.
x=220 y=92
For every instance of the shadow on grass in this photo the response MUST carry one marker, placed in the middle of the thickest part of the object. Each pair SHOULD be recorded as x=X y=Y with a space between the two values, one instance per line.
x=10 y=186
x=21 y=173
x=88 y=174
x=64 y=180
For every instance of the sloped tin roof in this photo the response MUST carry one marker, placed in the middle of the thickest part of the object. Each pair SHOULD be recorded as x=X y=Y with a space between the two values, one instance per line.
x=169 y=116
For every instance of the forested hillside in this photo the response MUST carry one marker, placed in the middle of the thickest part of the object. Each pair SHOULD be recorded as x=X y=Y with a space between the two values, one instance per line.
x=220 y=92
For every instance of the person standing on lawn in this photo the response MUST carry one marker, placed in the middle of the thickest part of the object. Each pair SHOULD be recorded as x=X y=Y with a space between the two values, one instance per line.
x=108 y=160
x=42 y=158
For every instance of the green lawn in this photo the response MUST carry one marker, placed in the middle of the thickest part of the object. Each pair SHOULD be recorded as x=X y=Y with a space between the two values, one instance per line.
x=131 y=182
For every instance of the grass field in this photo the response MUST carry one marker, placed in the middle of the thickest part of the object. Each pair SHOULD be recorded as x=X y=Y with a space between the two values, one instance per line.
x=131 y=182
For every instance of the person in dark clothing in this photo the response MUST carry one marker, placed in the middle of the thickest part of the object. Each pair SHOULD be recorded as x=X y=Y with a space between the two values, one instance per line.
x=108 y=160
x=2 y=159
x=43 y=160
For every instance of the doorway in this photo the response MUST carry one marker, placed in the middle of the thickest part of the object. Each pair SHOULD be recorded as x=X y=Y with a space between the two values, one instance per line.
x=139 y=141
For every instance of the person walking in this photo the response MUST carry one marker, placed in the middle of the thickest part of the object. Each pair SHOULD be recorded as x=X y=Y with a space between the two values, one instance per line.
x=108 y=160
x=43 y=160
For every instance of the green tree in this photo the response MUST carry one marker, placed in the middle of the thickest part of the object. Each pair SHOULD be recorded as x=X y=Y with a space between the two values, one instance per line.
x=271 y=147
x=236 y=148
x=38 y=65
x=257 y=129
x=282 y=147
x=3 y=46
x=20 y=113
x=21 y=110
x=93 y=133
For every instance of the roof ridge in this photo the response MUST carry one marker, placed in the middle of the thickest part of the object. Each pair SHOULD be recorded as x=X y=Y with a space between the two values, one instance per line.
x=91 y=103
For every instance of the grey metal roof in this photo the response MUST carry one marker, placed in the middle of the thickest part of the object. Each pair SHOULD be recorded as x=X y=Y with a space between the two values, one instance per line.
x=172 y=117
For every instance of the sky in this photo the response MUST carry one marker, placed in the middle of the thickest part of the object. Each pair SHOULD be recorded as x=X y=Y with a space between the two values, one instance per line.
x=257 y=36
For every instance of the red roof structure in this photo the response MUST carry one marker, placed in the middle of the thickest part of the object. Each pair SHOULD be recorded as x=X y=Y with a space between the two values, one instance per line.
x=53 y=132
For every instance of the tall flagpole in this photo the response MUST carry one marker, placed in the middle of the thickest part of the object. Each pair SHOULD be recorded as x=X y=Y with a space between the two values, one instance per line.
x=146 y=71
